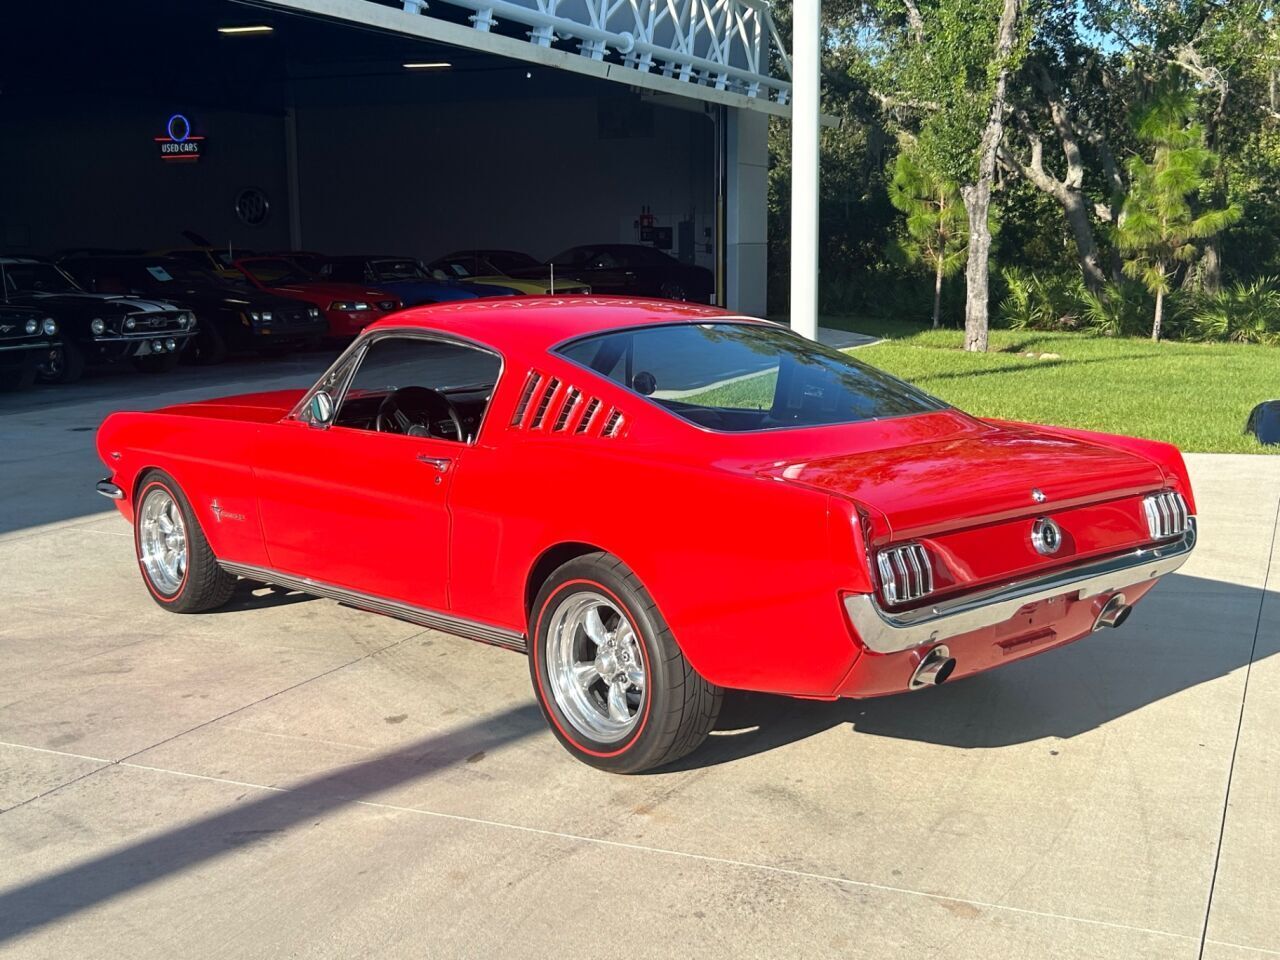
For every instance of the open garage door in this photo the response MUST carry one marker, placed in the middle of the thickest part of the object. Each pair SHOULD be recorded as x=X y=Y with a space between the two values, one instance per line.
x=160 y=126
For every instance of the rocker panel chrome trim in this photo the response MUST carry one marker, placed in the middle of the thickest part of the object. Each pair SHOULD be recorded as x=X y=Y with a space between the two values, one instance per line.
x=458 y=626
x=883 y=631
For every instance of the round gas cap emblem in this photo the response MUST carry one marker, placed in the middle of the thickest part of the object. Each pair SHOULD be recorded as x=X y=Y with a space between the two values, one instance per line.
x=1046 y=536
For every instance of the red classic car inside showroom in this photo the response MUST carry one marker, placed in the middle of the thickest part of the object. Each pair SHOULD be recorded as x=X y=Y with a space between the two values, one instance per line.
x=483 y=477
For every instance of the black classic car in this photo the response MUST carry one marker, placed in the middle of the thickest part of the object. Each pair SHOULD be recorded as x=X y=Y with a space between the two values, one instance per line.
x=27 y=336
x=95 y=328
x=231 y=315
x=634 y=270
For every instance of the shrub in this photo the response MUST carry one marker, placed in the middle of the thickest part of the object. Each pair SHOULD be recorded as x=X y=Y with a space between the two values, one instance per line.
x=1120 y=310
x=1240 y=313
x=1039 y=301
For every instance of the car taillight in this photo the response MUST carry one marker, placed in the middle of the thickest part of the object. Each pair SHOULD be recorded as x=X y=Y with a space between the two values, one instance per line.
x=1167 y=515
x=905 y=573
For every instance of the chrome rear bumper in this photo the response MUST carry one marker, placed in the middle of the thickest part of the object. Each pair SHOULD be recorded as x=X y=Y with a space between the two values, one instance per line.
x=883 y=631
x=110 y=490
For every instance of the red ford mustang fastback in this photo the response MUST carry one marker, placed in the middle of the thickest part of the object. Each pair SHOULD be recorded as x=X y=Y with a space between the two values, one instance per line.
x=656 y=502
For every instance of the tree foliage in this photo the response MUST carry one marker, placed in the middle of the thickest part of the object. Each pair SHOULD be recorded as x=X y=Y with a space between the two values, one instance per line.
x=1160 y=220
x=936 y=226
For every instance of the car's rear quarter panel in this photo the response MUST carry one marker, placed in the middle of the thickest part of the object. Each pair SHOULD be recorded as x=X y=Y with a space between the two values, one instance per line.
x=745 y=569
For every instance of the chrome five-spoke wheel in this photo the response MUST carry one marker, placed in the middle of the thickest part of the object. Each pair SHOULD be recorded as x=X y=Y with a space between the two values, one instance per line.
x=595 y=666
x=162 y=540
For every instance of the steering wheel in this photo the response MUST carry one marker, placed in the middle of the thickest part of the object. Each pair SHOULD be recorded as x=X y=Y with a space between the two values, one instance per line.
x=419 y=412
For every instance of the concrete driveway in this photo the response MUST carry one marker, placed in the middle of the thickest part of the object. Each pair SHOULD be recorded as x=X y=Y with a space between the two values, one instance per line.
x=290 y=777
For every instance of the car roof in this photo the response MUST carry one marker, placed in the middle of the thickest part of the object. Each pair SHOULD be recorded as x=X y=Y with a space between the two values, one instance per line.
x=539 y=323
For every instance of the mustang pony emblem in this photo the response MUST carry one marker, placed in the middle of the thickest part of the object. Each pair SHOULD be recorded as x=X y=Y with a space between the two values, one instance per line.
x=218 y=513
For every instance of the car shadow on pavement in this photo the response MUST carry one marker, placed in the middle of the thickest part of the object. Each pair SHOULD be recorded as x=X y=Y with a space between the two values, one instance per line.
x=252 y=595
x=68 y=891
x=1188 y=631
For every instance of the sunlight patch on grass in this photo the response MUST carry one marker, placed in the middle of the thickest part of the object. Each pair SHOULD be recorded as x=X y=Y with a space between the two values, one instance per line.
x=1195 y=395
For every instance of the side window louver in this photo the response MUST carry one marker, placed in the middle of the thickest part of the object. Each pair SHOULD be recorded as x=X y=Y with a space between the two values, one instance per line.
x=588 y=414
x=544 y=401
x=575 y=412
x=613 y=425
x=571 y=398
x=530 y=385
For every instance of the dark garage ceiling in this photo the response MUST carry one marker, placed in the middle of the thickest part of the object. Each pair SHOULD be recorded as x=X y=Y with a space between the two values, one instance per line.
x=76 y=53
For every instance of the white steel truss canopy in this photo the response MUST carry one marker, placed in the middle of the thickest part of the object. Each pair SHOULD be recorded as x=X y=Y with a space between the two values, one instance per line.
x=722 y=51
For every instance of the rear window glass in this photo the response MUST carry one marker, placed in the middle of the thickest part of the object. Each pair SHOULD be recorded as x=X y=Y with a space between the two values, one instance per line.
x=742 y=377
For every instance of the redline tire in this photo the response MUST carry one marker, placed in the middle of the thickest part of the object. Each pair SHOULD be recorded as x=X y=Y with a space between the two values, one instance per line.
x=677 y=708
x=202 y=585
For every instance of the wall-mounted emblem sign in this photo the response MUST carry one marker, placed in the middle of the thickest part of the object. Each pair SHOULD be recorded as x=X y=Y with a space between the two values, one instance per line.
x=180 y=144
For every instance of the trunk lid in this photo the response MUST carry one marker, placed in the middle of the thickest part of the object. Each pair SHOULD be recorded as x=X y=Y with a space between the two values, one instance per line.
x=985 y=473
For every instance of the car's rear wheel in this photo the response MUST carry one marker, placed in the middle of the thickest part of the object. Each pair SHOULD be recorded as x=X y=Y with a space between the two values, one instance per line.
x=608 y=674
x=177 y=564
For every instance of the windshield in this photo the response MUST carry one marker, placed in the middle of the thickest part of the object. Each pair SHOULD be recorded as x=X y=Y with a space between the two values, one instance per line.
x=739 y=377
x=171 y=271
x=37 y=278
x=505 y=261
x=389 y=270
x=443 y=269
x=274 y=272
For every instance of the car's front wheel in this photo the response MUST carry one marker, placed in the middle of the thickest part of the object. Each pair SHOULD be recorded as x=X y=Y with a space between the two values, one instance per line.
x=65 y=364
x=608 y=674
x=178 y=566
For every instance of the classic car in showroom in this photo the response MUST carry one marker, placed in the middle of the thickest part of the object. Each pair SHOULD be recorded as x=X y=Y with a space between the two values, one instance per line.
x=27 y=337
x=508 y=270
x=96 y=328
x=412 y=284
x=231 y=316
x=635 y=270
x=347 y=307
x=656 y=502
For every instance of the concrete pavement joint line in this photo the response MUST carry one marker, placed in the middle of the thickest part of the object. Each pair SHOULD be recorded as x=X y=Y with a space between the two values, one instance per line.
x=1235 y=747
x=1240 y=946
x=198 y=726
x=55 y=789
x=681 y=854
x=270 y=696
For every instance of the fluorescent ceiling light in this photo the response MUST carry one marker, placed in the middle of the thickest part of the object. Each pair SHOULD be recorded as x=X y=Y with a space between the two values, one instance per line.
x=435 y=65
x=253 y=28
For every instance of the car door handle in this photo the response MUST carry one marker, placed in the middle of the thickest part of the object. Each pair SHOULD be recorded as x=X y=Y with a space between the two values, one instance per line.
x=440 y=463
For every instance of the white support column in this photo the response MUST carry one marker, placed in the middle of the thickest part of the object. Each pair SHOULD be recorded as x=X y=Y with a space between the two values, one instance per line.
x=806 y=111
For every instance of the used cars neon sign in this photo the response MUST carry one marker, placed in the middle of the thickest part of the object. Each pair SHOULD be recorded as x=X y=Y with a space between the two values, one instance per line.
x=179 y=144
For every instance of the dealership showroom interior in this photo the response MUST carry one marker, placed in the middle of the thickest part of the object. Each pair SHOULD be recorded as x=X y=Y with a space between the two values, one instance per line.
x=447 y=512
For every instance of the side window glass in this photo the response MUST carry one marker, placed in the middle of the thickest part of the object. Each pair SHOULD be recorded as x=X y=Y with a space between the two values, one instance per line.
x=421 y=387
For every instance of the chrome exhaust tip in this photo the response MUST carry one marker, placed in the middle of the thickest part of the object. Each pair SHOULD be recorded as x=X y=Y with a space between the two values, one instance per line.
x=934 y=668
x=1114 y=612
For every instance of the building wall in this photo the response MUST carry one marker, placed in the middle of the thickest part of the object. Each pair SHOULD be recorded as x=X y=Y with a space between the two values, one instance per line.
x=77 y=176
x=536 y=175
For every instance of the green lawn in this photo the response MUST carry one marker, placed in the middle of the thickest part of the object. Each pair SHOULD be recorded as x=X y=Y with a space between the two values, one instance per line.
x=1195 y=395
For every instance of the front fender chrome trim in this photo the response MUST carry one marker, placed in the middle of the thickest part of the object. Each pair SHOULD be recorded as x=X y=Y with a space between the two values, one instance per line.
x=432 y=619
x=883 y=631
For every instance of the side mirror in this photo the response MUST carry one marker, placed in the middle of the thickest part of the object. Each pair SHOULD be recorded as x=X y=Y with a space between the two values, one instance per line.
x=321 y=409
